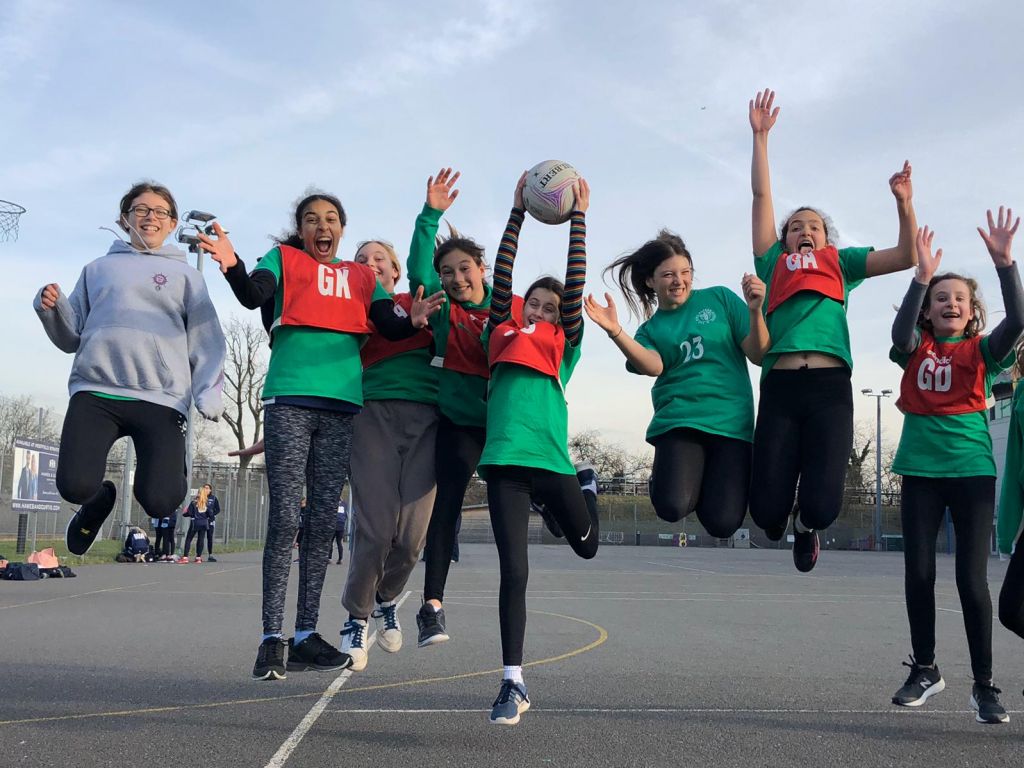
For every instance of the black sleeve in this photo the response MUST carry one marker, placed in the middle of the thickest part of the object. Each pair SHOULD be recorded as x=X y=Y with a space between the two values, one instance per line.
x=1005 y=335
x=904 y=327
x=253 y=290
x=388 y=324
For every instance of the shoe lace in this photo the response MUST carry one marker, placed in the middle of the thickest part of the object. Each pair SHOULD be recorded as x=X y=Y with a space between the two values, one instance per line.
x=388 y=613
x=318 y=643
x=355 y=629
x=915 y=670
x=508 y=688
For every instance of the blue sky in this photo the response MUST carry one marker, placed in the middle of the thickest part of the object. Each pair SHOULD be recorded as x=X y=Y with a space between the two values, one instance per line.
x=239 y=108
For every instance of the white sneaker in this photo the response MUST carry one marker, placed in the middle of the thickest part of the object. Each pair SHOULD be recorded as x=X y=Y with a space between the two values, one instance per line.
x=389 y=631
x=353 y=642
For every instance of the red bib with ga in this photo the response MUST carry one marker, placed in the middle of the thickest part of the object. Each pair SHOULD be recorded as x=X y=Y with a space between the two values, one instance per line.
x=378 y=348
x=539 y=346
x=944 y=378
x=335 y=297
x=817 y=271
x=464 y=352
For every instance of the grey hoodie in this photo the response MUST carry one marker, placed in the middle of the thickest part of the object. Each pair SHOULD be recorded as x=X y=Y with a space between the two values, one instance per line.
x=142 y=325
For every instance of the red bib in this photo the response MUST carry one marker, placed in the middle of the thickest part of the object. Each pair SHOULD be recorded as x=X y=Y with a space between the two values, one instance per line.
x=818 y=271
x=943 y=378
x=378 y=348
x=464 y=352
x=539 y=346
x=331 y=296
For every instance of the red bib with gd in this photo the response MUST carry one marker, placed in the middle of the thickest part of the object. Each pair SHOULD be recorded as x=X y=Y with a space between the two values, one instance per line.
x=817 y=271
x=335 y=297
x=944 y=378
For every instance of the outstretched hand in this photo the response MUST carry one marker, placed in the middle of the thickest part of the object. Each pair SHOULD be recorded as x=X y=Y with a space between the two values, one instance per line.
x=517 y=199
x=423 y=308
x=999 y=237
x=50 y=295
x=581 y=190
x=927 y=265
x=220 y=249
x=253 y=450
x=440 y=189
x=900 y=184
x=762 y=115
x=753 y=291
x=607 y=318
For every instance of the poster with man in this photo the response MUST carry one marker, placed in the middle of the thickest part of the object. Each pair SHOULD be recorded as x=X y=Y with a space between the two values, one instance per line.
x=34 y=485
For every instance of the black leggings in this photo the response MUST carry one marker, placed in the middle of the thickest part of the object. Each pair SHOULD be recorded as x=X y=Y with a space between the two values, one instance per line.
x=209 y=540
x=971 y=501
x=698 y=470
x=158 y=541
x=169 y=544
x=804 y=434
x=91 y=426
x=508 y=495
x=199 y=534
x=1011 y=596
x=339 y=541
x=455 y=459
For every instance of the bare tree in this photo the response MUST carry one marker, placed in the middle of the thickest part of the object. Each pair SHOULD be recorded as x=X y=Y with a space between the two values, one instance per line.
x=610 y=460
x=245 y=370
x=19 y=417
x=863 y=451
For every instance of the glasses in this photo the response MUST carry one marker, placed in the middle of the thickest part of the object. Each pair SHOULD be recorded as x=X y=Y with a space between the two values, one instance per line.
x=142 y=211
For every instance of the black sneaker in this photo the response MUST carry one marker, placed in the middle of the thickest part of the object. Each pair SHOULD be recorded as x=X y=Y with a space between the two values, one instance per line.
x=211 y=559
x=270 y=660
x=315 y=653
x=431 y=624
x=805 y=546
x=922 y=683
x=84 y=526
x=985 y=701
x=512 y=701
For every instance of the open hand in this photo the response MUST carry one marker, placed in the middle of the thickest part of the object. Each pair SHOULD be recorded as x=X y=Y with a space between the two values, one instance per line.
x=50 y=295
x=900 y=184
x=927 y=265
x=440 y=189
x=753 y=290
x=423 y=308
x=220 y=249
x=999 y=237
x=762 y=116
x=581 y=190
x=607 y=318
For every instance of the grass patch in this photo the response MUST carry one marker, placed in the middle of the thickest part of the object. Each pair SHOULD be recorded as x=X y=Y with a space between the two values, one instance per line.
x=104 y=550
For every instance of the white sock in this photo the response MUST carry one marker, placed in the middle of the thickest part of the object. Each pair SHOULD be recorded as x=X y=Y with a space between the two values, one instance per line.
x=515 y=674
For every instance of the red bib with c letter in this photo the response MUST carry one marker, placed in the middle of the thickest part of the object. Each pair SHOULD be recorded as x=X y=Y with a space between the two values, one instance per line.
x=817 y=271
x=539 y=346
x=944 y=378
x=335 y=297
x=378 y=348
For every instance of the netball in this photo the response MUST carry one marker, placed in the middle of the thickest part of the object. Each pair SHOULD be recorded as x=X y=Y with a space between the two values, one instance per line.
x=548 y=194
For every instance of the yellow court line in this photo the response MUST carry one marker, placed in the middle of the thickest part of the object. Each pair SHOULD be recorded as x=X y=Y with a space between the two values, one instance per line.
x=602 y=637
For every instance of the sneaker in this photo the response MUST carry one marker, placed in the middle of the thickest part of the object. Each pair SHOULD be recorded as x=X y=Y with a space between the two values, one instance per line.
x=985 y=701
x=805 y=546
x=512 y=701
x=315 y=653
x=85 y=524
x=431 y=625
x=922 y=683
x=389 y=631
x=199 y=559
x=353 y=643
x=270 y=660
x=211 y=559
x=182 y=560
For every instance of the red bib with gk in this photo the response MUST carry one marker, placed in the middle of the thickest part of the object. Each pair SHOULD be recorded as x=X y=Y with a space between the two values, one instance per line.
x=335 y=297
x=464 y=352
x=539 y=346
x=378 y=348
x=817 y=271
x=944 y=378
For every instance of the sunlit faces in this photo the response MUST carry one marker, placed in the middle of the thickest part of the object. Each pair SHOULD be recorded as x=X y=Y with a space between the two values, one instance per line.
x=150 y=230
x=461 y=277
x=542 y=305
x=321 y=230
x=805 y=232
x=376 y=257
x=950 y=308
x=672 y=281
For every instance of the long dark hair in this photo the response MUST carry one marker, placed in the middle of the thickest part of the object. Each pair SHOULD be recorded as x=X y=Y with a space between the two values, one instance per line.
x=826 y=220
x=292 y=237
x=549 y=283
x=634 y=269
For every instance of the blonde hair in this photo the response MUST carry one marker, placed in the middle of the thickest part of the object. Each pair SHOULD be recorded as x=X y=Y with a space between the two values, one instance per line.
x=392 y=254
x=204 y=494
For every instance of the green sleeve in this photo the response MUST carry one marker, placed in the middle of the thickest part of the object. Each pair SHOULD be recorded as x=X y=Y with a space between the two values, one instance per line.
x=739 y=315
x=854 y=263
x=1011 y=498
x=994 y=367
x=379 y=293
x=420 y=264
x=643 y=338
x=271 y=262
x=764 y=264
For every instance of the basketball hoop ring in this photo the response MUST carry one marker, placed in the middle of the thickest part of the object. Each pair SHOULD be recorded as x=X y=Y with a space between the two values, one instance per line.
x=9 y=215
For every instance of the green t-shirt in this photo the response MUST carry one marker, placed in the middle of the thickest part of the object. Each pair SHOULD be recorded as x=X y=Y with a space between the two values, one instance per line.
x=809 y=321
x=705 y=384
x=312 y=362
x=527 y=416
x=956 y=445
x=406 y=376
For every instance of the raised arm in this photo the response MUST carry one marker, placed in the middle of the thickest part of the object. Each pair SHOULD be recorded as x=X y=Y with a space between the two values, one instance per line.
x=645 y=361
x=763 y=114
x=903 y=256
x=253 y=290
x=999 y=240
x=576 y=265
x=905 y=335
x=441 y=193
x=63 y=317
x=501 y=297
x=757 y=342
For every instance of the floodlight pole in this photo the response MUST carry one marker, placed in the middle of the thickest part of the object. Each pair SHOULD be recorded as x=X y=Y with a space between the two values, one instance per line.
x=878 y=461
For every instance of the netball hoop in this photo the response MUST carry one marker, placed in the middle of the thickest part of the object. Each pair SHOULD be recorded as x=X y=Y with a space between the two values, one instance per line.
x=10 y=213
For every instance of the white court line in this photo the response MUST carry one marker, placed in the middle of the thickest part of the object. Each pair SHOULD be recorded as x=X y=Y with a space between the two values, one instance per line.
x=289 y=745
x=230 y=570
x=894 y=710
x=79 y=594
x=682 y=567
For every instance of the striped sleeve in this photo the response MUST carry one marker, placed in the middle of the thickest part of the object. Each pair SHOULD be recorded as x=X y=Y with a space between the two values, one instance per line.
x=575 y=278
x=501 y=298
